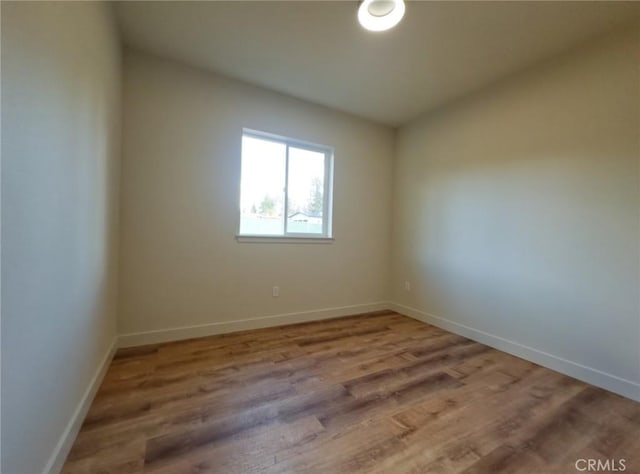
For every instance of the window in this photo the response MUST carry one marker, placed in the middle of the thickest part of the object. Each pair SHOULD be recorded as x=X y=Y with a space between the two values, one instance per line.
x=286 y=187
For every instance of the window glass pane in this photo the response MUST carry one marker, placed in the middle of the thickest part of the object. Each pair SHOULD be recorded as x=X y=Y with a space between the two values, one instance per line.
x=262 y=187
x=306 y=191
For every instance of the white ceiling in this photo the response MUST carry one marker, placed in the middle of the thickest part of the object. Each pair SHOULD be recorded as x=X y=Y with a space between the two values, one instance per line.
x=317 y=50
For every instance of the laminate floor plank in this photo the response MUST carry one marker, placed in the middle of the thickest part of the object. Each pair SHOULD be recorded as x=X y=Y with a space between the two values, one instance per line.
x=373 y=393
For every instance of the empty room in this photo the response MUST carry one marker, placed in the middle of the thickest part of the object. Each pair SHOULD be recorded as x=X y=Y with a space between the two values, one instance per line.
x=331 y=237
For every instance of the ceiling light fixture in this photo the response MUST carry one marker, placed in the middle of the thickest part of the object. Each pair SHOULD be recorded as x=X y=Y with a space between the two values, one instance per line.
x=380 y=15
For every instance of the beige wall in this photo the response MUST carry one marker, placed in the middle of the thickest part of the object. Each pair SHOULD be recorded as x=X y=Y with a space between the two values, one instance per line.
x=516 y=213
x=180 y=262
x=60 y=122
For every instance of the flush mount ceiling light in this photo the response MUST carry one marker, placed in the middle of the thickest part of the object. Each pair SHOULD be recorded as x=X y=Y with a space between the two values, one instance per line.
x=380 y=15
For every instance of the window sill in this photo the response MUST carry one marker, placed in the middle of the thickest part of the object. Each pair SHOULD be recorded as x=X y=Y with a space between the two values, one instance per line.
x=276 y=239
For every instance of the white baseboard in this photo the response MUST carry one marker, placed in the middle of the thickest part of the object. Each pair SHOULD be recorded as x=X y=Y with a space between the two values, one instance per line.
x=188 y=332
x=613 y=383
x=60 y=453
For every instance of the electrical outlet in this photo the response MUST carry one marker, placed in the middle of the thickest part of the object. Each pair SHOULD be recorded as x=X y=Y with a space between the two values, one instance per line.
x=276 y=291
x=407 y=286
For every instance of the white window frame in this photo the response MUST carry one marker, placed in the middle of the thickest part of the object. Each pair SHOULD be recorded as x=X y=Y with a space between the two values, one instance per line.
x=327 y=201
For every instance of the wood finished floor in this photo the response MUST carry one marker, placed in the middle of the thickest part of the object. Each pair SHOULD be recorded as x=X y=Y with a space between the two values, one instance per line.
x=376 y=393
